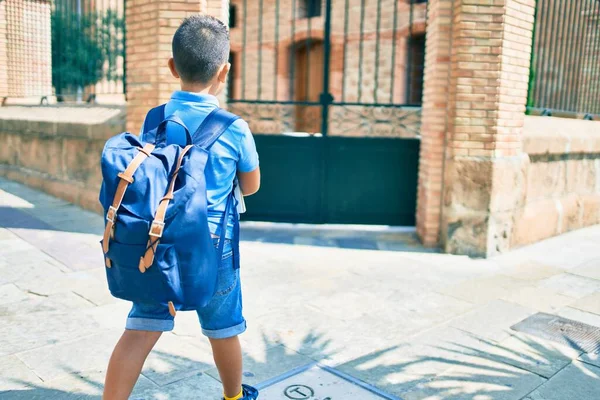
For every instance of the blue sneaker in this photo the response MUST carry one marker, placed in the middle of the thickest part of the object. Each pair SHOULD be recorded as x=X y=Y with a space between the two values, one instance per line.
x=249 y=393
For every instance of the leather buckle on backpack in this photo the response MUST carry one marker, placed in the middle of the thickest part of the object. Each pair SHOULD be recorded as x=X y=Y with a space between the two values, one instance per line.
x=111 y=215
x=157 y=228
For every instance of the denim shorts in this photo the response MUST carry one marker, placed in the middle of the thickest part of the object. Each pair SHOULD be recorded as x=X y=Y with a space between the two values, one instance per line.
x=221 y=318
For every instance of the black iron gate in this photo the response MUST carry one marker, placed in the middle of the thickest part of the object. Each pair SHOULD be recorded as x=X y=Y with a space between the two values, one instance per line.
x=332 y=91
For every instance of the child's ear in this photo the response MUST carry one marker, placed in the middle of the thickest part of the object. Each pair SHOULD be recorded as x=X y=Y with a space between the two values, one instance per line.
x=222 y=75
x=172 y=68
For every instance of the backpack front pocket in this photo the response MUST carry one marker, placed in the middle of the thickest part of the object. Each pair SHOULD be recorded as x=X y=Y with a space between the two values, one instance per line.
x=160 y=283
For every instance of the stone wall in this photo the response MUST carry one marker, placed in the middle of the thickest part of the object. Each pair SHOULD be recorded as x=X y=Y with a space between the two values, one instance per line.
x=57 y=150
x=563 y=178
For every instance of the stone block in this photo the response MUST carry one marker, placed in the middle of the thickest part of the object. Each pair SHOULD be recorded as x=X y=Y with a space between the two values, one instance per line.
x=88 y=199
x=509 y=183
x=571 y=213
x=42 y=127
x=470 y=185
x=591 y=210
x=9 y=151
x=500 y=230
x=536 y=221
x=546 y=179
x=42 y=154
x=581 y=176
x=81 y=159
x=465 y=233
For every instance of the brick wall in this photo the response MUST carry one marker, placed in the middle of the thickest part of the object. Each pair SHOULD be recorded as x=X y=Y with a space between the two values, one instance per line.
x=3 y=50
x=434 y=120
x=267 y=49
x=26 y=63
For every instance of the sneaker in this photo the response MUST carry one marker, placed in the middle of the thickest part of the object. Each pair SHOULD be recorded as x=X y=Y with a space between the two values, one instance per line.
x=249 y=393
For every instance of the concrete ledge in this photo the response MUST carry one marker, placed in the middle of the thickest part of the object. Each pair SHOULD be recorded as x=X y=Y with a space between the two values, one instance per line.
x=79 y=122
x=550 y=217
x=71 y=191
x=551 y=135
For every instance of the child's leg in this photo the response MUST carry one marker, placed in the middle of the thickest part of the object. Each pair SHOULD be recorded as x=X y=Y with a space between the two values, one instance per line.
x=126 y=363
x=228 y=357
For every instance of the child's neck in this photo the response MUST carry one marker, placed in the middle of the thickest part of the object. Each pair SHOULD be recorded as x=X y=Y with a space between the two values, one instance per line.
x=198 y=88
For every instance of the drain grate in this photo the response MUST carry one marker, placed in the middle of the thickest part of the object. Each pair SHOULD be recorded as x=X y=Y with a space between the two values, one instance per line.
x=316 y=382
x=577 y=335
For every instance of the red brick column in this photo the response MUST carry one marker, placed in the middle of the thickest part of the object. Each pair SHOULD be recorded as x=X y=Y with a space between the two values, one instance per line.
x=150 y=28
x=484 y=172
x=434 y=120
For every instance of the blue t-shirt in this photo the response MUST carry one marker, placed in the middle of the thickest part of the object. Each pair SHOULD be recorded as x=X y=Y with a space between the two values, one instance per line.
x=234 y=151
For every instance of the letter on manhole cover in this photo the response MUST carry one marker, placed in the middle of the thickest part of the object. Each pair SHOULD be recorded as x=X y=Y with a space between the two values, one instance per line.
x=298 y=392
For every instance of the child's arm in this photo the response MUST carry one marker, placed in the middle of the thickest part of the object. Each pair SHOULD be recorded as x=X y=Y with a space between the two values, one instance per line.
x=249 y=181
x=248 y=171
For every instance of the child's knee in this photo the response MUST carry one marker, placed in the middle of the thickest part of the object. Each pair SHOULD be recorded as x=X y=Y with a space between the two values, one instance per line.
x=146 y=337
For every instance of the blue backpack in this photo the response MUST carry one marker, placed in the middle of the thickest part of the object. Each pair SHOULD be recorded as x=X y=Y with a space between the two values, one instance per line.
x=157 y=245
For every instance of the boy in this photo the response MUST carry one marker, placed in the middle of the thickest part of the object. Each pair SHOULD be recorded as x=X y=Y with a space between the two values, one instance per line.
x=200 y=62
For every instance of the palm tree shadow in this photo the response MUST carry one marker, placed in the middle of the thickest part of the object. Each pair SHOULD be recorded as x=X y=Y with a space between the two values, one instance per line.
x=165 y=374
x=457 y=371
x=480 y=369
x=39 y=392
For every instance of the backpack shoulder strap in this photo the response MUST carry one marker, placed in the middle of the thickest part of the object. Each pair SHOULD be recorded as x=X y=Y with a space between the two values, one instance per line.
x=154 y=117
x=213 y=126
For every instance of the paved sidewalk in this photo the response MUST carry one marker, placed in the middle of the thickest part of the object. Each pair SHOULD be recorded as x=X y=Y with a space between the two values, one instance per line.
x=413 y=325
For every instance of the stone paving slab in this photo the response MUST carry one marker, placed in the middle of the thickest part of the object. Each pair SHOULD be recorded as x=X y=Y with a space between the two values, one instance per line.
x=576 y=381
x=15 y=374
x=481 y=291
x=571 y=285
x=589 y=269
x=531 y=271
x=26 y=332
x=591 y=358
x=589 y=303
x=493 y=320
x=64 y=358
x=482 y=380
x=578 y=315
x=539 y=298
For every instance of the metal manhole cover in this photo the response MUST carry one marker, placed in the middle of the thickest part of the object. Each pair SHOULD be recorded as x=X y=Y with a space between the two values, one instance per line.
x=575 y=334
x=313 y=382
